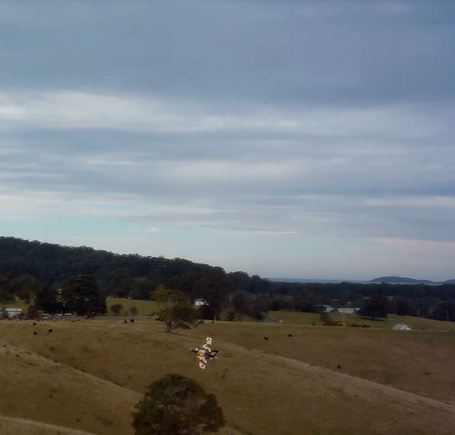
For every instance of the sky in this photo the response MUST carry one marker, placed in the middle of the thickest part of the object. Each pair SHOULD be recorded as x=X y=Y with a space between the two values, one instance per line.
x=293 y=139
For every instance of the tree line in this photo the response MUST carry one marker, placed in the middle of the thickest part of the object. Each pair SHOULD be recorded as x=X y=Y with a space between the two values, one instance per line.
x=52 y=276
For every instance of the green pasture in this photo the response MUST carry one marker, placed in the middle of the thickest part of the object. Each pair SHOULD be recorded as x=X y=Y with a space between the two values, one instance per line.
x=144 y=307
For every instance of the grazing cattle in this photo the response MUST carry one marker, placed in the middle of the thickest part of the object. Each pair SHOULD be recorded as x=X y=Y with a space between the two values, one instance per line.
x=50 y=330
x=290 y=335
x=35 y=333
x=34 y=323
x=132 y=320
x=266 y=338
x=338 y=366
x=125 y=321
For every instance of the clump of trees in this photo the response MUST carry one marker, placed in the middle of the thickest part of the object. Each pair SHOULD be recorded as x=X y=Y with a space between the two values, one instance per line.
x=445 y=311
x=82 y=295
x=177 y=405
x=176 y=310
x=215 y=290
x=79 y=294
x=244 y=304
x=375 y=306
x=19 y=286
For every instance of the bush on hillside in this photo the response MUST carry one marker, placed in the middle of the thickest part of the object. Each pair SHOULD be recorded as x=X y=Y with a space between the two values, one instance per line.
x=176 y=405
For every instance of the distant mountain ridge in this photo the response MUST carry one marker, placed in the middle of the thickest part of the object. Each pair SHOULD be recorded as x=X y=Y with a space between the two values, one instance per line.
x=379 y=280
x=406 y=280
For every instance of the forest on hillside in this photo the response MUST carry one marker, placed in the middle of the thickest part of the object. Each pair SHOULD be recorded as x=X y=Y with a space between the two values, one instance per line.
x=35 y=269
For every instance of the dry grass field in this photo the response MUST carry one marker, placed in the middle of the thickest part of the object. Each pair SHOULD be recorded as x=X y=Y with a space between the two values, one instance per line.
x=87 y=376
x=314 y=319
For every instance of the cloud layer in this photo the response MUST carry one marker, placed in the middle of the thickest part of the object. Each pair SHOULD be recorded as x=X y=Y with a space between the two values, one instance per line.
x=304 y=124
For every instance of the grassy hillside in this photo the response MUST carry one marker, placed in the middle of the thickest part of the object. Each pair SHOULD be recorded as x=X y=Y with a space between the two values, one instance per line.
x=419 y=362
x=87 y=375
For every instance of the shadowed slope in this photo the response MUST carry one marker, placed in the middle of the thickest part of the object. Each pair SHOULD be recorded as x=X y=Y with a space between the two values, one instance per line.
x=15 y=426
x=37 y=388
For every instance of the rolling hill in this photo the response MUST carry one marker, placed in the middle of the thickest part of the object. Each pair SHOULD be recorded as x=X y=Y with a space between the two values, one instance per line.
x=88 y=375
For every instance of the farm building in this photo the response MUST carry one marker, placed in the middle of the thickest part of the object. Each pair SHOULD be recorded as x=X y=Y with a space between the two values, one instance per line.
x=200 y=302
x=401 y=327
x=12 y=312
x=348 y=310
x=327 y=308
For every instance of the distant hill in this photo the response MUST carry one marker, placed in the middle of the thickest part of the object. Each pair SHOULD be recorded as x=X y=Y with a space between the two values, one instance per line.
x=54 y=263
x=450 y=281
x=402 y=280
x=309 y=280
x=117 y=274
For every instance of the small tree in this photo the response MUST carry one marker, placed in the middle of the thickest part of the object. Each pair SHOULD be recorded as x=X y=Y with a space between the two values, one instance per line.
x=175 y=309
x=116 y=309
x=176 y=405
x=133 y=311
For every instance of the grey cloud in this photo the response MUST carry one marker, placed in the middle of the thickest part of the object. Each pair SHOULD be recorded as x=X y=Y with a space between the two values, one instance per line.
x=316 y=118
x=281 y=52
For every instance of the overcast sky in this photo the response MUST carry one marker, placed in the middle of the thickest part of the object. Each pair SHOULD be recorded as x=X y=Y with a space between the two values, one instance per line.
x=310 y=139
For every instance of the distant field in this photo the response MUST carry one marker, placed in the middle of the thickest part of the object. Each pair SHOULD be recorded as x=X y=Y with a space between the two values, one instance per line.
x=145 y=307
x=88 y=374
x=313 y=319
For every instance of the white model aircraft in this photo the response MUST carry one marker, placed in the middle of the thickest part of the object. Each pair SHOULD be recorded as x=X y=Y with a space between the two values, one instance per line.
x=205 y=353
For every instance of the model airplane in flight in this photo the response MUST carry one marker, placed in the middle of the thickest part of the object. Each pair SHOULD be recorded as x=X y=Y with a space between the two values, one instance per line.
x=205 y=353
